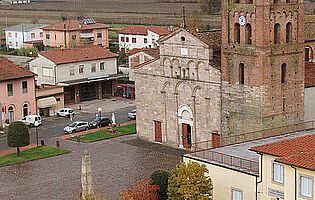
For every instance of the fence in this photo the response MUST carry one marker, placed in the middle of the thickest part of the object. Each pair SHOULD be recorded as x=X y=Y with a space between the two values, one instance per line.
x=229 y=160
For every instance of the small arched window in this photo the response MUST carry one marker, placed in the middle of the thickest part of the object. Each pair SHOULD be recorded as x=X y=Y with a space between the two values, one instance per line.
x=283 y=72
x=287 y=1
x=277 y=33
x=241 y=73
x=11 y=114
x=237 y=33
x=308 y=54
x=236 y=1
x=248 y=34
x=25 y=110
x=289 y=32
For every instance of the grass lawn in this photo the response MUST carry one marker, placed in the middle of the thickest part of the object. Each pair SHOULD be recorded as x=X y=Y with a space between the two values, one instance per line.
x=103 y=134
x=31 y=154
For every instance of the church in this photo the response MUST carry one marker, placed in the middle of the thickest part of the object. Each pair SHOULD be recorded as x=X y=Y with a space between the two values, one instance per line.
x=225 y=86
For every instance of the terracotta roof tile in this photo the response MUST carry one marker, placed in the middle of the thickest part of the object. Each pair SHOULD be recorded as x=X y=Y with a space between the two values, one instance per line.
x=154 y=52
x=143 y=30
x=9 y=71
x=305 y=160
x=309 y=74
x=211 y=37
x=296 y=151
x=72 y=25
x=78 y=54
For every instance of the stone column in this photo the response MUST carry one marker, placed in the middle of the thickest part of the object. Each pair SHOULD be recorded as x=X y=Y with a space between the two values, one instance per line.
x=99 y=90
x=86 y=176
x=76 y=94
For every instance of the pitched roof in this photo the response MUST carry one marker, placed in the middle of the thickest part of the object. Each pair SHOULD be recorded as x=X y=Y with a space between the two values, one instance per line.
x=309 y=74
x=72 y=25
x=143 y=30
x=25 y=27
x=9 y=71
x=297 y=151
x=153 y=52
x=93 y=52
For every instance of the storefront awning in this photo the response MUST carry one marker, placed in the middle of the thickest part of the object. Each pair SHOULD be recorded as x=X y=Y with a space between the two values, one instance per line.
x=46 y=102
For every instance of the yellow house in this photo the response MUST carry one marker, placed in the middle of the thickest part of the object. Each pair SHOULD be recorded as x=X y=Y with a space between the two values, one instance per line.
x=267 y=169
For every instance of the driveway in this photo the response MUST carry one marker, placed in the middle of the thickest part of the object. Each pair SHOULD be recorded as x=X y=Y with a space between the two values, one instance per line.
x=116 y=163
x=52 y=127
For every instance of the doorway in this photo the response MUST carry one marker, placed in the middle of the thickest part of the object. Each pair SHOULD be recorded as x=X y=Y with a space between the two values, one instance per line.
x=186 y=135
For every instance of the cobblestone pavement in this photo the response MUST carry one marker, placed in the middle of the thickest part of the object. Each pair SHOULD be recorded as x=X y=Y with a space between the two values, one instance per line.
x=116 y=164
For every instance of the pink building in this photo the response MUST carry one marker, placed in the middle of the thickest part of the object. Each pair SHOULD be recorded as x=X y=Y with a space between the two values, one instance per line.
x=17 y=91
x=72 y=33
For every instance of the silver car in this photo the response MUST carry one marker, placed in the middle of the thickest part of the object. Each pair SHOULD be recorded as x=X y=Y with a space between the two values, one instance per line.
x=76 y=127
x=132 y=114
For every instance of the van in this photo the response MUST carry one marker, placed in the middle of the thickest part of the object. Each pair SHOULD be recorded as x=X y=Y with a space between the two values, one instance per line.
x=32 y=120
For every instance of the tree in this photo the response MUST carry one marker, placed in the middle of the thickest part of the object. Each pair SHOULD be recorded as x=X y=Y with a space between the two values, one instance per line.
x=194 y=21
x=143 y=190
x=18 y=135
x=160 y=178
x=188 y=181
x=210 y=6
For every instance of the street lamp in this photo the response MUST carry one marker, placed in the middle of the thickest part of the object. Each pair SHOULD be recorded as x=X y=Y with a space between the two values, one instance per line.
x=100 y=112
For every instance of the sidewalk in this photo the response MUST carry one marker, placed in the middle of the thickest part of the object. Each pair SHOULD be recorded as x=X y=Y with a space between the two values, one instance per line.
x=93 y=130
x=14 y=150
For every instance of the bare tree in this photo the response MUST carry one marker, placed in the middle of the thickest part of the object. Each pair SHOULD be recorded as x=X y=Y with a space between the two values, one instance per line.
x=80 y=8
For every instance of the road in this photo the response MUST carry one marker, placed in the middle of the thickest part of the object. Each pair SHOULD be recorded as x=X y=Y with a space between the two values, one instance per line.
x=52 y=127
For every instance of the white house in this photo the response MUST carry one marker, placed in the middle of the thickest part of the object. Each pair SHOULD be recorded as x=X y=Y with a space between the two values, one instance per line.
x=141 y=36
x=17 y=35
x=86 y=73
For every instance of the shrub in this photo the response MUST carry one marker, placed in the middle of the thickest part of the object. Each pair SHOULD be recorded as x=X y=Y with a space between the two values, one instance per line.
x=160 y=178
x=18 y=135
x=143 y=190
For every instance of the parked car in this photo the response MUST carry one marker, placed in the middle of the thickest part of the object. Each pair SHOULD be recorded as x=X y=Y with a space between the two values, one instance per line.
x=32 y=120
x=104 y=121
x=76 y=127
x=132 y=114
x=65 y=112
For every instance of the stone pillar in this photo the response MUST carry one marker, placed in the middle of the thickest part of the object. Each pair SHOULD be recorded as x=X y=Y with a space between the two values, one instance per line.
x=86 y=176
x=99 y=90
x=77 y=94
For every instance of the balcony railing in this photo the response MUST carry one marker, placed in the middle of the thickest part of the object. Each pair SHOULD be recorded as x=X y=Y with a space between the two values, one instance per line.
x=86 y=35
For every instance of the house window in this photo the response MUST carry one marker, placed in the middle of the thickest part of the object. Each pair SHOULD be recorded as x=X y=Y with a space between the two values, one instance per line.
x=99 y=35
x=24 y=87
x=134 y=40
x=153 y=40
x=47 y=72
x=122 y=39
x=277 y=173
x=47 y=36
x=32 y=35
x=237 y=194
x=102 y=66
x=81 y=68
x=41 y=34
x=71 y=70
x=248 y=34
x=16 y=44
x=241 y=73
x=289 y=32
x=10 y=89
x=25 y=110
x=145 y=40
x=9 y=34
x=237 y=33
x=127 y=39
x=93 y=67
x=10 y=43
x=277 y=32
x=306 y=184
x=283 y=72
x=16 y=35
x=11 y=114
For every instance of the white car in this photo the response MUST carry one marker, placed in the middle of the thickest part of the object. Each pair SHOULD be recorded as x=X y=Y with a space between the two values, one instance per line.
x=76 y=127
x=65 y=112
x=132 y=114
x=32 y=120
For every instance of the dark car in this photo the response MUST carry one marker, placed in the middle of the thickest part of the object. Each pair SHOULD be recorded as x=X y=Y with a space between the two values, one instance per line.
x=104 y=121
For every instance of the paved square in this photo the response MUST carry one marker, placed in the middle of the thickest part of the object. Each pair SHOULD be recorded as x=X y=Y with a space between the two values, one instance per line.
x=116 y=164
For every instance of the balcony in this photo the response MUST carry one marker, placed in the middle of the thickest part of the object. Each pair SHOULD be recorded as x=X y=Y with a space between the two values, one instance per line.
x=87 y=35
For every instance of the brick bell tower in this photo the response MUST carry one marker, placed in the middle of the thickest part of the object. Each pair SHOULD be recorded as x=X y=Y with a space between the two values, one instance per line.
x=262 y=64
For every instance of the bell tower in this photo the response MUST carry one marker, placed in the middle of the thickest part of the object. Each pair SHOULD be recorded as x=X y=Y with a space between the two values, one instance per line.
x=262 y=64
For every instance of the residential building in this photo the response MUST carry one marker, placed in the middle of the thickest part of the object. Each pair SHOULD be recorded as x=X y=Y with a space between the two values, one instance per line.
x=279 y=167
x=309 y=92
x=182 y=104
x=17 y=86
x=132 y=37
x=2 y=40
x=72 y=33
x=49 y=99
x=138 y=56
x=17 y=35
x=88 y=72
